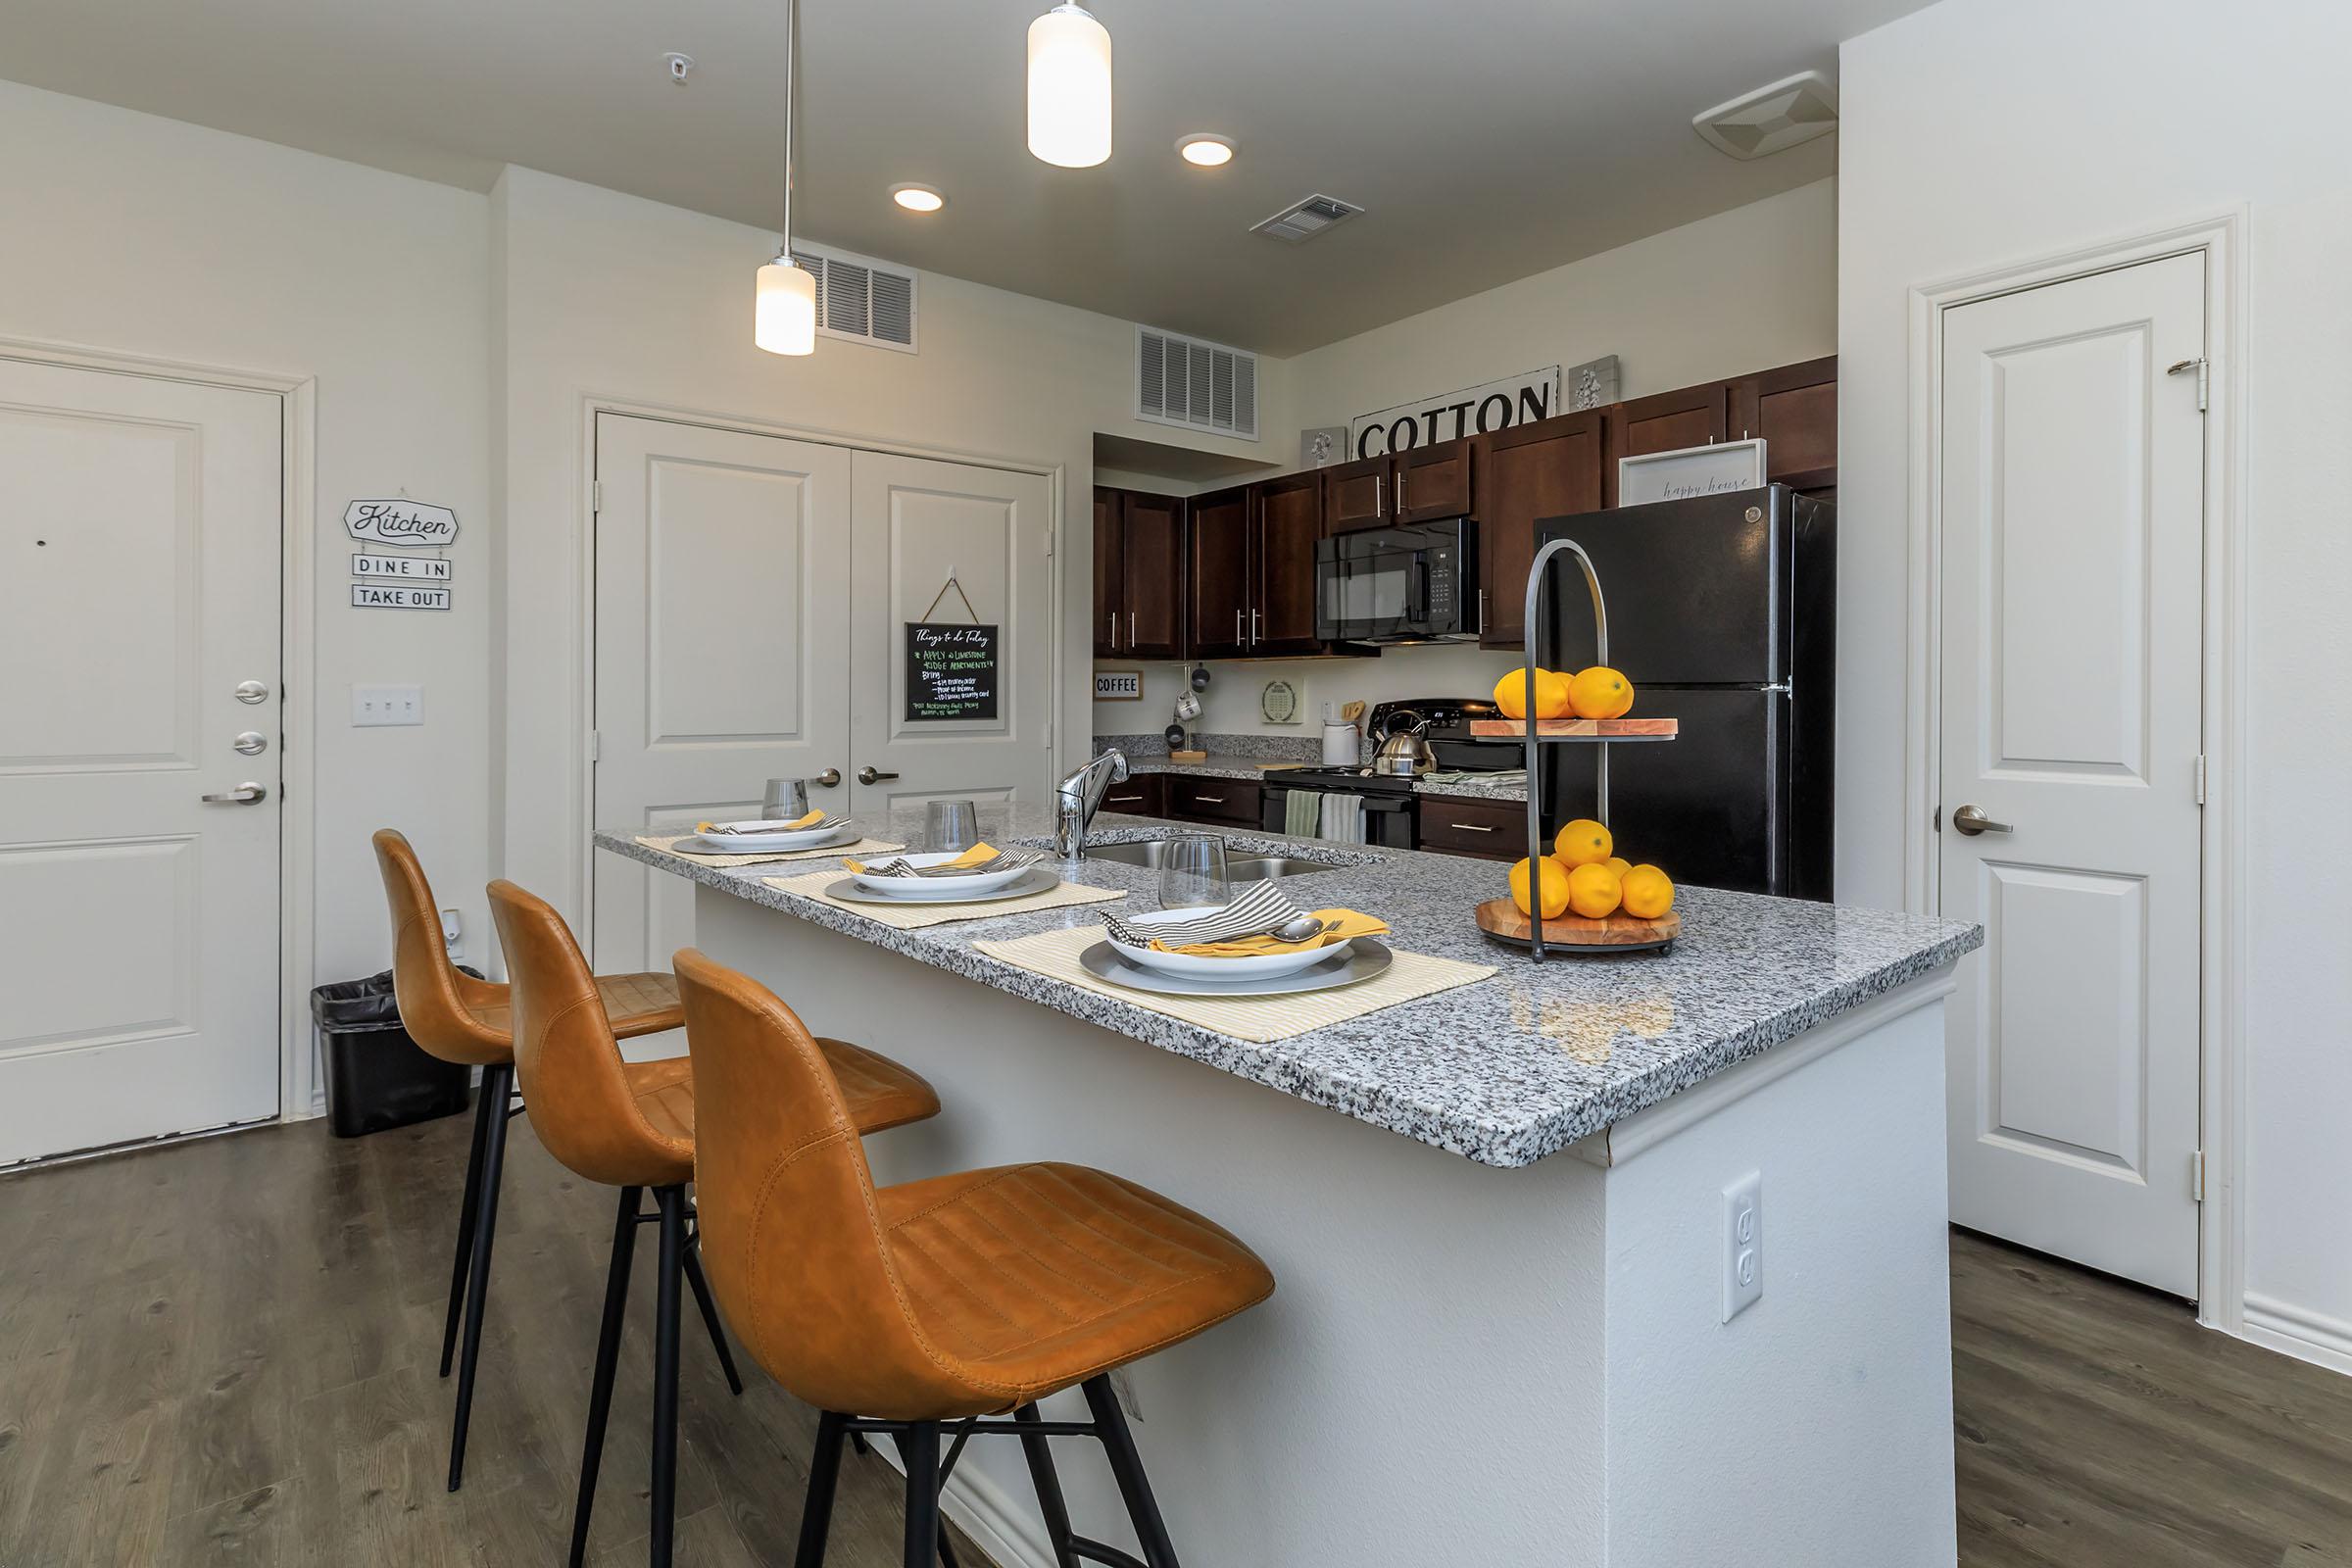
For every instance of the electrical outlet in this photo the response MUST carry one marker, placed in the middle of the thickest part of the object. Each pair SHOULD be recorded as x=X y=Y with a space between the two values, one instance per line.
x=371 y=706
x=1743 y=1243
x=452 y=935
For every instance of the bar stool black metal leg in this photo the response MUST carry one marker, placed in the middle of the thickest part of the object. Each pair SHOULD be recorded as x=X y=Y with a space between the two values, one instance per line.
x=607 y=1358
x=919 y=1446
x=672 y=1202
x=1047 y=1482
x=702 y=1297
x=477 y=1280
x=1127 y=1466
x=482 y=1113
x=825 y=1472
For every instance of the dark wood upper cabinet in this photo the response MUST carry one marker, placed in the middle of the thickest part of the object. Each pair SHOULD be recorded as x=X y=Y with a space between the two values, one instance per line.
x=1110 y=573
x=1793 y=409
x=1690 y=416
x=1156 y=576
x=1359 y=494
x=1552 y=469
x=1436 y=482
x=1288 y=523
x=1221 y=574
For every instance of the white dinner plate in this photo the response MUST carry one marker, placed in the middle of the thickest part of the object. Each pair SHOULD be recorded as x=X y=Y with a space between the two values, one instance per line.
x=814 y=838
x=1365 y=959
x=1037 y=879
x=1194 y=967
x=927 y=886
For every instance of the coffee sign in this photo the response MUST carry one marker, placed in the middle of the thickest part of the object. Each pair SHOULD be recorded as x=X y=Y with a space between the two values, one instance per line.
x=408 y=523
x=1472 y=410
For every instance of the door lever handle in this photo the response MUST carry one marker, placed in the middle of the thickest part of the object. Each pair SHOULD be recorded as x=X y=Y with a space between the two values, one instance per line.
x=242 y=794
x=829 y=777
x=869 y=775
x=1971 y=821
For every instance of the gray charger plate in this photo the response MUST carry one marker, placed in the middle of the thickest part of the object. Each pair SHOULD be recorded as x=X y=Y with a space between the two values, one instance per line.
x=1037 y=879
x=1364 y=959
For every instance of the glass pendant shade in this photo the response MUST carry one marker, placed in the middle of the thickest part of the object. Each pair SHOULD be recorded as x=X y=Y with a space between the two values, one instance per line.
x=785 y=315
x=1069 y=88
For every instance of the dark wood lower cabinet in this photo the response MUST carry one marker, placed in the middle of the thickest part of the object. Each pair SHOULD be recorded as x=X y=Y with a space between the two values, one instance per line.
x=1225 y=800
x=1488 y=830
x=1145 y=795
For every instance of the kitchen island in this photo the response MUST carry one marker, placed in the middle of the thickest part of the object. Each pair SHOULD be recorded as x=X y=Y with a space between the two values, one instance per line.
x=1497 y=1216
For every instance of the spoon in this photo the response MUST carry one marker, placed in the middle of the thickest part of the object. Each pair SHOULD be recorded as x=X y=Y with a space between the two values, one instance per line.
x=1304 y=928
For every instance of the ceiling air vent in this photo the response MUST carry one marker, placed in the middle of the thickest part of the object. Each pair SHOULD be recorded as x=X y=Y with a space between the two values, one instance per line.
x=1201 y=386
x=861 y=299
x=1756 y=124
x=1307 y=220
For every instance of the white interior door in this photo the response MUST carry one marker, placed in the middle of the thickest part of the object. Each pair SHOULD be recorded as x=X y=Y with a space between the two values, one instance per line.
x=2072 y=572
x=140 y=522
x=722 y=633
x=918 y=524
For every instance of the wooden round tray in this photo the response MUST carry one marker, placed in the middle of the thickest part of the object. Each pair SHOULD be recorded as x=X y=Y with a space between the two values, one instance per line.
x=1607 y=936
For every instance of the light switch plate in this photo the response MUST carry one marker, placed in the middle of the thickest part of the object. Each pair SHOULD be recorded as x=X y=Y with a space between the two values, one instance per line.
x=1743 y=1243
x=371 y=706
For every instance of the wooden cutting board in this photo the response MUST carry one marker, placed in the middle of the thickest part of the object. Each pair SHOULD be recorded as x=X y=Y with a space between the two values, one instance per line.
x=1501 y=917
x=1599 y=729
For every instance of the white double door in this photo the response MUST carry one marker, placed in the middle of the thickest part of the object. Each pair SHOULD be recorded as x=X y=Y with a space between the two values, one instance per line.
x=752 y=599
x=2073 y=553
x=140 y=528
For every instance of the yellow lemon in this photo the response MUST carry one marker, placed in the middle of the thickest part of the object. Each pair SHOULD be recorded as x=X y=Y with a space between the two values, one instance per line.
x=1648 y=893
x=1554 y=888
x=1600 y=693
x=1620 y=865
x=1592 y=891
x=1552 y=694
x=1583 y=842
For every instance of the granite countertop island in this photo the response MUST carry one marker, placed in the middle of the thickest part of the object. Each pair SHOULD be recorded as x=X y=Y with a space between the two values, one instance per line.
x=1503 y=1358
x=1504 y=1072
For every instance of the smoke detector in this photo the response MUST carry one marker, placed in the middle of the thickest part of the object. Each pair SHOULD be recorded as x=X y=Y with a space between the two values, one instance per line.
x=1303 y=220
x=1771 y=119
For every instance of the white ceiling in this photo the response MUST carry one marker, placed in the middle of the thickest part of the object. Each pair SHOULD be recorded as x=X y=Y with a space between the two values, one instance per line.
x=1489 y=138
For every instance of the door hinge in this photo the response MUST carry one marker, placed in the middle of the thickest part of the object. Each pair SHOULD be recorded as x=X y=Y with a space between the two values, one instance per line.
x=596 y=746
x=596 y=496
x=1051 y=531
x=2200 y=778
x=2196 y=1176
x=2204 y=380
x=1049 y=734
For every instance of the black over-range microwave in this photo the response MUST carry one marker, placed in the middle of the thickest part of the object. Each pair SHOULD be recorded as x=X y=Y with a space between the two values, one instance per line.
x=1415 y=582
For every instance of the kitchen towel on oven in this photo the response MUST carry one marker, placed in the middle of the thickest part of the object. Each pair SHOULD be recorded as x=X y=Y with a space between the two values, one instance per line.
x=1343 y=818
x=1302 y=814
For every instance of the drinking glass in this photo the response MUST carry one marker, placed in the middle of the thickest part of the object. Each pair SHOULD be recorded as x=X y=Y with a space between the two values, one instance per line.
x=1192 y=875
x=786 y=800
x=950 y=825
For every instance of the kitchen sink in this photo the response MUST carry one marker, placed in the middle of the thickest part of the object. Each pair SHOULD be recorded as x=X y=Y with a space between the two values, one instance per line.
x=1152 y=854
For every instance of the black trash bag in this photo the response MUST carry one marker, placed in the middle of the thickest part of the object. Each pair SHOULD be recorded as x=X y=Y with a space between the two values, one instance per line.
x=376 y=1077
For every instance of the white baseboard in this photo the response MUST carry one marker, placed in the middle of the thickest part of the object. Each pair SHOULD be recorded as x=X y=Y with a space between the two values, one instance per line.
x=2299 y=1332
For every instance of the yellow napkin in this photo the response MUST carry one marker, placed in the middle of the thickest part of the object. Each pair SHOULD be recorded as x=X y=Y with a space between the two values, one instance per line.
x=1352 y=925
x=971 y=857
x=789 y=827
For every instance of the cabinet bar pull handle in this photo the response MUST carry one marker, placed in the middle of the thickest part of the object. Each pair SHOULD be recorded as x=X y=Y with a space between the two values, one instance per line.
x=1400 y=494
x=1473 y=827
x=1210 y=799
x=1114 y=628
x=1236 y=629
x=1131 y=631
x=1377 y=509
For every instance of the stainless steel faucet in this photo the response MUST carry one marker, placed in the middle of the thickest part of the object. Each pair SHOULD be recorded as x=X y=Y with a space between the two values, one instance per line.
x=1077 y=798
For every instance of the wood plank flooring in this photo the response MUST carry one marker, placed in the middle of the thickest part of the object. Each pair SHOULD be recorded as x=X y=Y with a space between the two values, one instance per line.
x=223 y=1352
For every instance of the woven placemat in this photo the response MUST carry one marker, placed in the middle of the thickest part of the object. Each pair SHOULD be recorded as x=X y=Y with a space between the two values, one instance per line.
x=911 y=917
x=729 y=861
x=1412 y=976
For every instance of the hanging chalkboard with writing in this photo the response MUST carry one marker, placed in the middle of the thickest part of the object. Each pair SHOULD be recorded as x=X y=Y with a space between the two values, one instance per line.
x=950 y=672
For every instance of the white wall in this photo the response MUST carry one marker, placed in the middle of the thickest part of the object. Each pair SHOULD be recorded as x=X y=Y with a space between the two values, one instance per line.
x=608 y=296
x=1979 y=132
x=148 y=238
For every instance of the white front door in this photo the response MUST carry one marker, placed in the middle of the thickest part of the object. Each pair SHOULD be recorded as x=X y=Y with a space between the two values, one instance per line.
x=140 y=522
x=723 y=636
x=2071 y=668
x=961 y=548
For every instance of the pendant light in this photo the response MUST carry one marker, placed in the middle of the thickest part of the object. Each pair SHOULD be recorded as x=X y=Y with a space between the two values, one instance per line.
x=784 y=311
x=1069 y=87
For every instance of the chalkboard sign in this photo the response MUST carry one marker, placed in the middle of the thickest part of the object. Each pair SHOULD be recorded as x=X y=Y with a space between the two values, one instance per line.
x=950 y=672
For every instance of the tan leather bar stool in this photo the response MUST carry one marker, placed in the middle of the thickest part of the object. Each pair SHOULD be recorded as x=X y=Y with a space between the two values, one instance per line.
x=462 y=1019
x=946 y=1300
x=631 y=1125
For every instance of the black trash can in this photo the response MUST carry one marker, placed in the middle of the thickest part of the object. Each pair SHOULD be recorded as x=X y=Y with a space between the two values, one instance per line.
x=376 y=1077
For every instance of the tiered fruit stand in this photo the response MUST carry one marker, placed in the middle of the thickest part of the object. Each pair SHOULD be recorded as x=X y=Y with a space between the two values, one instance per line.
x=1578 y=935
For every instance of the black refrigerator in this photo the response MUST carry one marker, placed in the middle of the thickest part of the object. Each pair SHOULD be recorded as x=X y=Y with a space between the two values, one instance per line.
x=1723 y=612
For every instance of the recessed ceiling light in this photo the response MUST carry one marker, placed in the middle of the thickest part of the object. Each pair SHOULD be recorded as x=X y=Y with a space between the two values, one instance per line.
x=1205 y=150
x=917 y=198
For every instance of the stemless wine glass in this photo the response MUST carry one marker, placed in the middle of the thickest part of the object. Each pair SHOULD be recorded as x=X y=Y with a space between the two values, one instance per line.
x=786 y=800
x=952 y=825
x=1192 y=873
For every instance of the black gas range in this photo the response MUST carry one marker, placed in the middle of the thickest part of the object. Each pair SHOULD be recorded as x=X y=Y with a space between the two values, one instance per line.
x=1378 y=807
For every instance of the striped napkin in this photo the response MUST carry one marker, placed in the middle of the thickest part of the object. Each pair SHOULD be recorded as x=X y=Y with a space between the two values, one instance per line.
x=978 y=860
x=1256 y=912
